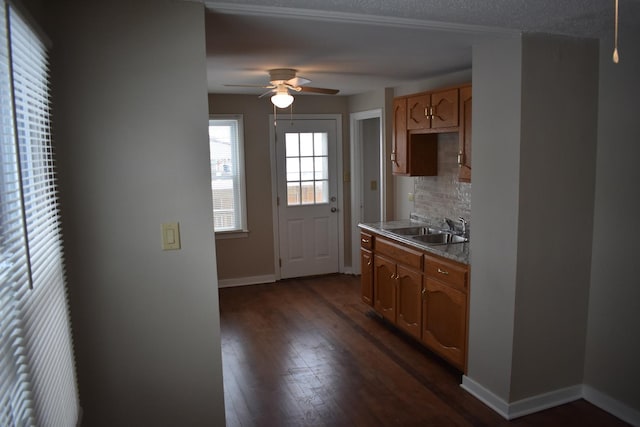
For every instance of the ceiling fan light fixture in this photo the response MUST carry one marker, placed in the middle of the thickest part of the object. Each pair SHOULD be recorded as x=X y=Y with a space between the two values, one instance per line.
x=282 y=99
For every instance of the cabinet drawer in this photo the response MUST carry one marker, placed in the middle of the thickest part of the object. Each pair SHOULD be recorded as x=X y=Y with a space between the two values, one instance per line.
x=448 y=272
x=401 y=254
x=366 y=241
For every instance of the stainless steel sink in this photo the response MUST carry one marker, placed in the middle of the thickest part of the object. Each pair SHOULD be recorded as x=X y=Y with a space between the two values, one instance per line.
x=440 y=239
x=414 y=231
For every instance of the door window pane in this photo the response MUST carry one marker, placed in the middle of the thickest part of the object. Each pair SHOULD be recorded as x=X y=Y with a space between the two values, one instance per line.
x=307 y=168
x=292 y=148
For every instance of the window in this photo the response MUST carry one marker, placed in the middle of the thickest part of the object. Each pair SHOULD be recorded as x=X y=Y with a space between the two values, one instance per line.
x=37 y=379
x=226 y=147
x=307 y=168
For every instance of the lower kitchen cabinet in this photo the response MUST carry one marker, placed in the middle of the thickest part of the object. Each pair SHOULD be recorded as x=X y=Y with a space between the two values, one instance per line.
x=409 y=309
x=424 y=295
x=397 y=294
x=444 y=321
x=444 y=309
x=366 y=267
x=384 y=287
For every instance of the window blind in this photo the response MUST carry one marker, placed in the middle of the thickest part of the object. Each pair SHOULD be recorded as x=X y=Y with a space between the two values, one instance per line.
x=227 y=173
x=39 y=368
x=15 y=394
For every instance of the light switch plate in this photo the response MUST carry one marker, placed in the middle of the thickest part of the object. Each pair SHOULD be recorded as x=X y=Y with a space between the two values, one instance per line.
x=170 y=236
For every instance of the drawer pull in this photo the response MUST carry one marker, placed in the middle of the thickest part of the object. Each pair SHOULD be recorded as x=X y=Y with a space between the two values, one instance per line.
x=445 y=272
x=369 y=263
x=365 y=240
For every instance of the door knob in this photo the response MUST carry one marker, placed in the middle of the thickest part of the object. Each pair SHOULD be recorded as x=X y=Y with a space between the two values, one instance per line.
x=334 y=209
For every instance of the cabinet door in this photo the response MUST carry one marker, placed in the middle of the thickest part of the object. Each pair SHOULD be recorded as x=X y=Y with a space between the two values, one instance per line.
x=418 y=112
x=399 y=154
x=444 y=109
x=464 y=153
x=366 y=267
x=384 y=287
x=444 y=321
x=409 y=308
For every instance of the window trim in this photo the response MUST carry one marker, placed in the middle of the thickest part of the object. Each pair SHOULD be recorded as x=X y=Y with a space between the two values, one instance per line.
x=243 y=231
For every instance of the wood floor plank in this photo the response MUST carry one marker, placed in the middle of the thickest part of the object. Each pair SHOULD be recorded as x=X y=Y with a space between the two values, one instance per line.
x=308 y=352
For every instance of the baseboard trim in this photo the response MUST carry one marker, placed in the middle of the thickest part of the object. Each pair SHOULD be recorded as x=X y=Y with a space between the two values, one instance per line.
x=485 y=396
x=611 y=405
x=245 y=281
x=522 y=407
x=544 y=401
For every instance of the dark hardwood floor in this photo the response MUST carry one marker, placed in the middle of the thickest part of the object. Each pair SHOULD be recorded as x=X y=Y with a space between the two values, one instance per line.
x=308 y=352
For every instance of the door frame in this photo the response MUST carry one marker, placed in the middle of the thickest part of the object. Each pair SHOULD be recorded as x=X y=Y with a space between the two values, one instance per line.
x=274 y=184
x=357 y=188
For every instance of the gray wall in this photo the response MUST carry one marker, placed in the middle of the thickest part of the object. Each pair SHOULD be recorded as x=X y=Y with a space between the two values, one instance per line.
x=557 y=177
x=613 y=348
x=495 y=199
x=371 y=169
x=130 y=127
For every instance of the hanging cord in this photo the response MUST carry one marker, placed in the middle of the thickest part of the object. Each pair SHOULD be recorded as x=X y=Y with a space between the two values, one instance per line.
x=616 y=57
x=275 y=116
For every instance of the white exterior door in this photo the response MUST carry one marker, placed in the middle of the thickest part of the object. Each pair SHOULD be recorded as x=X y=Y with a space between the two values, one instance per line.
x=307 y=197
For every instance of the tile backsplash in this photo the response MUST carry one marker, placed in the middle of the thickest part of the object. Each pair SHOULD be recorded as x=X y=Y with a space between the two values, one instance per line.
x=443 y=196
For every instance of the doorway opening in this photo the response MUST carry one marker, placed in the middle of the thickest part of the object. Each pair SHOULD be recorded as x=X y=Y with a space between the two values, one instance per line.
x=367 y=175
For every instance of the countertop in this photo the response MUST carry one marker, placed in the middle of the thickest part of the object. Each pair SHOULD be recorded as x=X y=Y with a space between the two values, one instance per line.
x=456 y=251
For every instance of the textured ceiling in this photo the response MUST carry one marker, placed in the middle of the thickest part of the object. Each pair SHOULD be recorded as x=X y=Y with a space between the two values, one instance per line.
x=361 y=45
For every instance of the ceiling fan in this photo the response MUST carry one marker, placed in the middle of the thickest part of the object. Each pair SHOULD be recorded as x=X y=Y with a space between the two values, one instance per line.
x=284 y=79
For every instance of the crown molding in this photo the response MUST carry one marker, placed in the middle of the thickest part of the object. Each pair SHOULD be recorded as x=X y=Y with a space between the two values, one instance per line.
x=354 y=18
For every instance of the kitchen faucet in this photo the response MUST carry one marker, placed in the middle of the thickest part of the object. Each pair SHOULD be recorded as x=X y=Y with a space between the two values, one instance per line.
x=464 y=225
x=452 y=226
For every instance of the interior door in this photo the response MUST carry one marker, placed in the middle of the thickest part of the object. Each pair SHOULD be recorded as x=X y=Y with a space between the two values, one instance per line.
x=307 y=197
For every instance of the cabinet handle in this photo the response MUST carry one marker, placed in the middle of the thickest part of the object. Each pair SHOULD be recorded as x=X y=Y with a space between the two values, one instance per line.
x=369 y=263
x=431 y=112
x=393 y=276
x=424 y=294
x=445 y=272
x=426 y=111
x=365 y=240
x=460 y=158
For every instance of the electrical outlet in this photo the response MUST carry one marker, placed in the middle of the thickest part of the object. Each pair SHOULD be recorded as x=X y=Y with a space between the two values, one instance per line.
x=410 y=197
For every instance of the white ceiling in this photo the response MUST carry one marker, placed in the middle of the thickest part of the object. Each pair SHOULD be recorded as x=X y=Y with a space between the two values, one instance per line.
x=361 y=45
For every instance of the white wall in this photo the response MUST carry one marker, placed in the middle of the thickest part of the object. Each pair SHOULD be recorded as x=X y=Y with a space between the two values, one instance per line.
x=495 y=203
x=613 y=347
x=130 y=123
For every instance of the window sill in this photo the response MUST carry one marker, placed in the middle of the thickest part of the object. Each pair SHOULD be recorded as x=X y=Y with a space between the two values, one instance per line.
x=235 y=234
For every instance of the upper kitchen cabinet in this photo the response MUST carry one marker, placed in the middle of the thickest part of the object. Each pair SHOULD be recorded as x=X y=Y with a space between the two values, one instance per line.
x=411 y=155
x=464 y=151
x=417 y=121
x=435 y=110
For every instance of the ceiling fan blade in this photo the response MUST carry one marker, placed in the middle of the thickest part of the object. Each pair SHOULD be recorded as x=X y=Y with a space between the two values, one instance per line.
x=298 y=81
x=272 y=90
x=260 y=86
x=317 y=90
